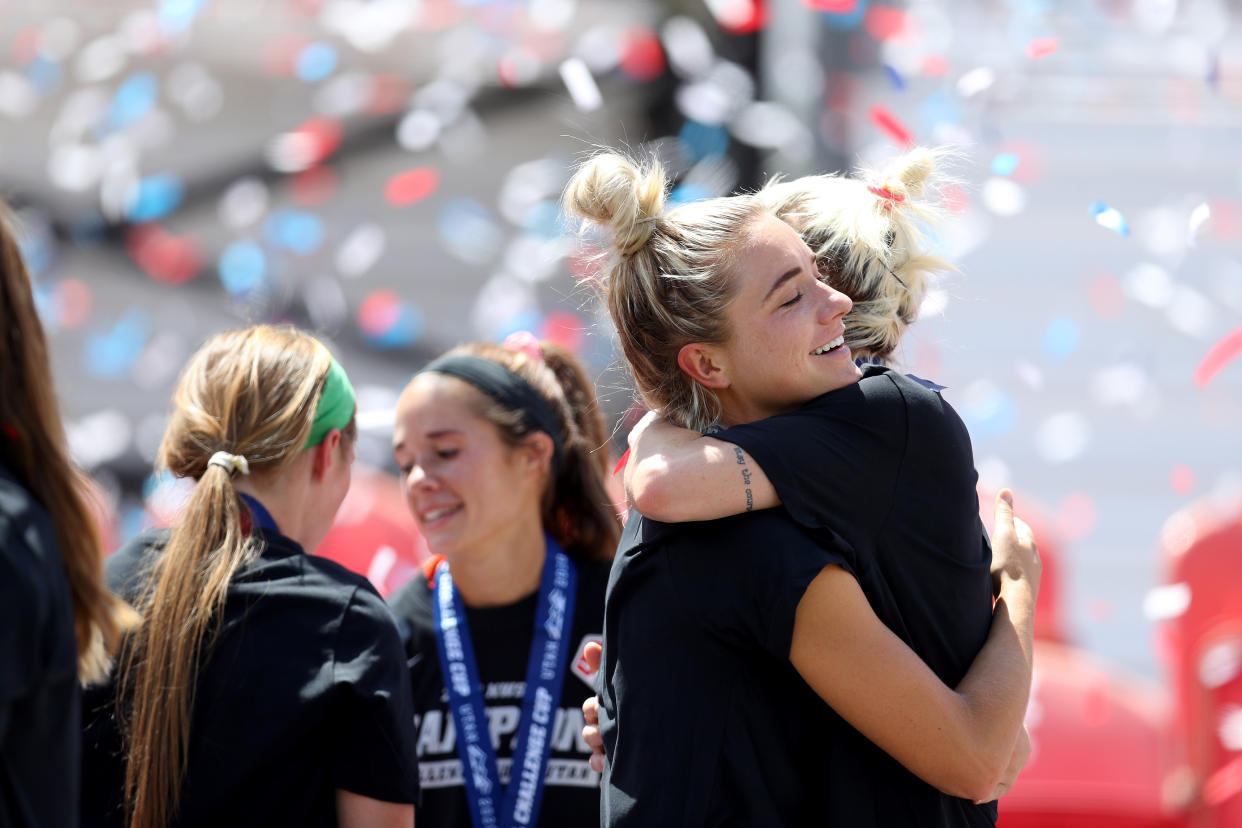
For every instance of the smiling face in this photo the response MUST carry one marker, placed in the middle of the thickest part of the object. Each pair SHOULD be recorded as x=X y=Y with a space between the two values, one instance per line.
x=785 y=344
x=465 y=486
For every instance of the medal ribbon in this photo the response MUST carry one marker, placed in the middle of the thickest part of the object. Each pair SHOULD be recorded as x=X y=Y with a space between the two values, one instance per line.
x=517 y=804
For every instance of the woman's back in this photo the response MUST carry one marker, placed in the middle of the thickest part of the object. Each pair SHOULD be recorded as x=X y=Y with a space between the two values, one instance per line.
x=294 y=701
x=38 y=675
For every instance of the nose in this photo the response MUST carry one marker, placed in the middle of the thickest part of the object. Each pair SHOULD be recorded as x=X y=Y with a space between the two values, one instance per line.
x=418 y=478
x=834 y=302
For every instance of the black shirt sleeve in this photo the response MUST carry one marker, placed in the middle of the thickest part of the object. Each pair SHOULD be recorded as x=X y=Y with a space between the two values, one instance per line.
x=744 y=576
x=835 y=461
x=23 y=608
x=374 y=729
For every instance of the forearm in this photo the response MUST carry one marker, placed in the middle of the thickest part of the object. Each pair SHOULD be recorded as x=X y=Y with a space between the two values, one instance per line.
x=997 y=686
x=678 y=475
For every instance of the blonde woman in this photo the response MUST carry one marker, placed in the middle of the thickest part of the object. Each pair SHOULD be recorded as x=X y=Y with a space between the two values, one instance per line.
x=265 y=686
x=766 y=658
x=58 y=622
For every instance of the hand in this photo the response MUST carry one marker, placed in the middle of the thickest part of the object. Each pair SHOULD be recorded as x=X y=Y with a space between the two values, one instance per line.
x=590 y=713
x=1017 y=761
x=1015 y=556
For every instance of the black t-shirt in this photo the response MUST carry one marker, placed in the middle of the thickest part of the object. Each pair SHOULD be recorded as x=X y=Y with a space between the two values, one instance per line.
x=501 y=637
x=303 y=692
x=705 y=721
x=886 y=464
x=39 y=749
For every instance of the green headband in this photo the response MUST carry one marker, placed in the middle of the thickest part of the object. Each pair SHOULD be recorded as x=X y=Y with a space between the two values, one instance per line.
x=336 y=405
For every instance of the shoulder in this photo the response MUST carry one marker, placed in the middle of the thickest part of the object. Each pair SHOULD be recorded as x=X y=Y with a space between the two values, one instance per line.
x=124 y=569
x=25 y=528
x=733 y=547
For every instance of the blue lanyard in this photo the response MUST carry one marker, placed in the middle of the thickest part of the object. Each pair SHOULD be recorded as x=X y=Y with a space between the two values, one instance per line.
x=259 y=515
x=545 y=672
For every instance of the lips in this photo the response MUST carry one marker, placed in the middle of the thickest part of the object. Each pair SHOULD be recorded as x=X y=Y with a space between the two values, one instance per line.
x=829 y=346
x=437 y=515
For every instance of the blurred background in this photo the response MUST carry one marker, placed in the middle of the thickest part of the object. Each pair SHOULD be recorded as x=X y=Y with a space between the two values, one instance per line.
x=386 y=173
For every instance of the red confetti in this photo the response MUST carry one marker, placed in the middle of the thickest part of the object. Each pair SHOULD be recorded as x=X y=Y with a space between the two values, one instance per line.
x=740 y=16
x=164 y=257
x=954 y=199
x=565 y=329
x=1041 y=47
x=379 y=312
x=1224 y=784
x=642 y=56
x=403 y=189
x=1076 y=516
x=884 y=22
x=1107 y=297
x=1224 y=222
x=625 y=458
x=935 y=66
x=280 y=56
x=832 y=6
x=1218 y=356
x=315 y=186
x=74 y=302
x=326 y=133
x=887 y=121
x=1182 y=479
x=388 y=94
x=25 y=45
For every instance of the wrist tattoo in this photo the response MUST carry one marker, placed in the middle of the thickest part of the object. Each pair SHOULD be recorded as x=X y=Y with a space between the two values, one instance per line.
x=741 y=461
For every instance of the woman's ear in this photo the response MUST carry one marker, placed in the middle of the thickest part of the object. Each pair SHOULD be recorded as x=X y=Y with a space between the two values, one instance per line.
x=537 y=449
x=702 y=364
x=324 y=454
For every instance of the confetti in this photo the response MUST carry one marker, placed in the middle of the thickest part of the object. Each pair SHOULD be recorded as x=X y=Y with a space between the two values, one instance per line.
x=411 y=186
x=739 y=17
x=315 y=62
x=1061 y=338
x=1198 y=217
x=1004 y=163
x=1227 y=349
x=1110 y=218
x=297 y=231
x=1063 y=437
x=884 y=22
x=133 y=99
x=975 y=81
x=1182 y=479
x=155 y=197
x=242 y=267
x=163 y=256
x=1004 y=197
x=385 y=321
x=1041 y=47
x=1076 y=516
x=888 y=123
x=582 y=89
x=642 y=56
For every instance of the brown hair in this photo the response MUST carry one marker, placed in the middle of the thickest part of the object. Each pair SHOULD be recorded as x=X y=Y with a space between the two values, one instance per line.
x=33 y=447
x=666 y=279
x=252 y=393
x=869 y=236
x=577 y=510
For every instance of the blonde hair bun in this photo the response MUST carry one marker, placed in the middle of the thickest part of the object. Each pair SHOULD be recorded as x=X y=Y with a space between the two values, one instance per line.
x=621 y=195
x=907 y=174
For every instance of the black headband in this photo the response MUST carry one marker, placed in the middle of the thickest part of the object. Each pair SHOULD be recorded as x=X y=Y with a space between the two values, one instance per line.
x=508 y=389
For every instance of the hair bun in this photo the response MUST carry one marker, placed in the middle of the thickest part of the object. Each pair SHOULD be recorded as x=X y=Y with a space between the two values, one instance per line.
x=907 y=173
x=615 y=192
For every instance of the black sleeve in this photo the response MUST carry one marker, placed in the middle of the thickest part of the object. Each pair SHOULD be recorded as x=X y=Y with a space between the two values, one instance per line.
x=835 y=461
x=374 y=728
x=744 y=576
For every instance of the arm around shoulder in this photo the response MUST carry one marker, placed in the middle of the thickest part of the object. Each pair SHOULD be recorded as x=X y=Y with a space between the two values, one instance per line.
x=675 y=475
x=959 y=740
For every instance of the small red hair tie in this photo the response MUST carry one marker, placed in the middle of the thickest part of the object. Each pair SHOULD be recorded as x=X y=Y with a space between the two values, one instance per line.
x=524 y=342
x=887 y=195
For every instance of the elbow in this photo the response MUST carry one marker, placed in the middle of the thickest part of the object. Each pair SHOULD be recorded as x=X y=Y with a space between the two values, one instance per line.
x=974 y=776
x=650 y=490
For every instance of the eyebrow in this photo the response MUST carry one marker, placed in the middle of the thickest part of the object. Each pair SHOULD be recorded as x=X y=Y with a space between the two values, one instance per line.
x=784 y=277
x=434 y=435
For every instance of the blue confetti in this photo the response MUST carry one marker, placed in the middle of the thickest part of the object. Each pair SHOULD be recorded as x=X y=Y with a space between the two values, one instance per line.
x=702 y=140
x=295 y=230
x=45 y=75
x=1108 y=217
x=524 y=320
x=316 y=62
x=177 y=15
x=110 y=354
x=156 y=197
x=895 y=78
x=243 y=267
x=845 y=21
x=685 y=193
x=406 y=329
x=1004 y=163
x=133 y=99
x=468 y=230
x=1061 y=338
x=544 y=219
x=992 y=415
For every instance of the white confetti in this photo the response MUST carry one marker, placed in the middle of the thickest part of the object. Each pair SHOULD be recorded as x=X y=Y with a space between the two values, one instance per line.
x=1165 y=602
x=1063 y=437
x=581 y=85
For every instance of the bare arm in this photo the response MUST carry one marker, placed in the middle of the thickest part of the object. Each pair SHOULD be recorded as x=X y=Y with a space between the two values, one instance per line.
x=675 y=474
x=358 y=811
x=960 y=741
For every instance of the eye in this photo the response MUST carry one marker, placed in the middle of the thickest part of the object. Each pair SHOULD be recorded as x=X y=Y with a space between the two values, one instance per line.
x=446 y=453
x=797 y=298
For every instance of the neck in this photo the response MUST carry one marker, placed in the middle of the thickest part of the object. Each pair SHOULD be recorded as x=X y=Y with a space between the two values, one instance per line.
x=284 y=504
x=502 y=574
x=736 y=411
